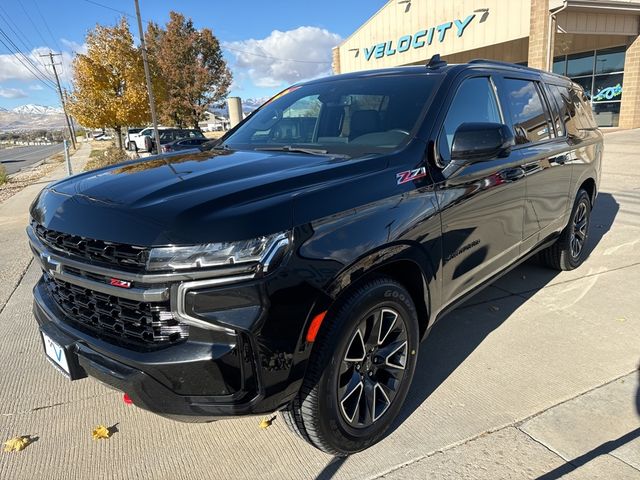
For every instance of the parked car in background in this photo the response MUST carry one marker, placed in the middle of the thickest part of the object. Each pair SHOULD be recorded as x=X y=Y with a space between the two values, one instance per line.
x=297 y=264
x=127 y=141
x=170 y=135
x=141 y=141
x=184 y=144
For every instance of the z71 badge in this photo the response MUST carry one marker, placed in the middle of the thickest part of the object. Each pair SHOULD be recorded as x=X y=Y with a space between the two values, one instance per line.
x=404 y=177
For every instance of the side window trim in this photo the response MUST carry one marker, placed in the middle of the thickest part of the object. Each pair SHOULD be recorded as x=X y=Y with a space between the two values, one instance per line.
x=546 y=106
x=549 y=88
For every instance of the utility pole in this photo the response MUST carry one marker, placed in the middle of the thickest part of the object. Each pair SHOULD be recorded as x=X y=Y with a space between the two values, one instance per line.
x=64 y=106
x=152 y=103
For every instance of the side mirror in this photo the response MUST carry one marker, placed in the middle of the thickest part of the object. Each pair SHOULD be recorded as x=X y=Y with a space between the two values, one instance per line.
x=477 y=142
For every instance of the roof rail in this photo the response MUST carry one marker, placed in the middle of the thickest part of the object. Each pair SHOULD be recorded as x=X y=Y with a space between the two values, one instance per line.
x=436 y=62
x=498 y=62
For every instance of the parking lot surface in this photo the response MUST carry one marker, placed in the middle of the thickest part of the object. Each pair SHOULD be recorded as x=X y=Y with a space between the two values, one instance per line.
x=536 y=377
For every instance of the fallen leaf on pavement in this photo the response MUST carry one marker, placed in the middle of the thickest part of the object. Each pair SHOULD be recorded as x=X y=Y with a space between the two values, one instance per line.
x=17 y=443
x=266 y=422
x=100 y=432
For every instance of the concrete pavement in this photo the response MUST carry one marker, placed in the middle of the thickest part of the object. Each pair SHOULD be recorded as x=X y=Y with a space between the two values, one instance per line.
x=14 y=216
x=13 y=159
x=536 y=377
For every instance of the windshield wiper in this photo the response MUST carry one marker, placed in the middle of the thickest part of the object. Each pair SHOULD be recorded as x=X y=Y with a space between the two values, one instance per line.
x=290 y=148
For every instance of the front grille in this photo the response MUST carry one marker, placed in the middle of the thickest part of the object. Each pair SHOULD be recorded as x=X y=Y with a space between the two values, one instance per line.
x=130 y=257
x=117 y=319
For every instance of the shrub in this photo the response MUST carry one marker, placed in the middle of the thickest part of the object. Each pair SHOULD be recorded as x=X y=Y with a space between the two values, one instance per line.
x=104 y=158
x=3 y=175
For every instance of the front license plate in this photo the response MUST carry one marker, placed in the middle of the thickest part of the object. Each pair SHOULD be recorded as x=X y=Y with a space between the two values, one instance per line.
x=55 y=353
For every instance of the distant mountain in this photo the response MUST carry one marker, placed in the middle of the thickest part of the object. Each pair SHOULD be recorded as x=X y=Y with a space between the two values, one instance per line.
x=32 y=109
x=250 y=104
x=31 y=117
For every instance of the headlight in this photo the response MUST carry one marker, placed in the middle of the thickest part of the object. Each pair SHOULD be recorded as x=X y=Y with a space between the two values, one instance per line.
x=213 y=254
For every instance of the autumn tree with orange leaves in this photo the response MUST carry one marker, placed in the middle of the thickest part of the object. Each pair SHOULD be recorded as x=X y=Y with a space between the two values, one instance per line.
x=191 y=67
x=109 y=83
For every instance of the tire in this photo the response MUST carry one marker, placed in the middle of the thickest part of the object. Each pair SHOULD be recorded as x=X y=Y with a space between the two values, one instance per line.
x=564 y=254
x=365 y=354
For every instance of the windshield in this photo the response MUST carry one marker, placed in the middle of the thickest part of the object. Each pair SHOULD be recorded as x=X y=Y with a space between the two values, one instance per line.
x=349 y=116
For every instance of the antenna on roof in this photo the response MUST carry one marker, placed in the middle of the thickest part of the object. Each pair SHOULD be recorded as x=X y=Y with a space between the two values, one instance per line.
x=435 y=62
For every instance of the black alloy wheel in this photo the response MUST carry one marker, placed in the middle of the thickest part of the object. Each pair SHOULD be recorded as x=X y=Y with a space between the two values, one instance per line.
x=372 y=368
x=580 y=223
x=360 y=369
x=570 y=249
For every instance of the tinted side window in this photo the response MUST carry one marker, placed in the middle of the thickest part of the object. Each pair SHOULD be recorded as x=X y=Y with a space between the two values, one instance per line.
x=567 y=109
x=556 y=105
x=474 y=102
x=583 y=107
x=530 y=121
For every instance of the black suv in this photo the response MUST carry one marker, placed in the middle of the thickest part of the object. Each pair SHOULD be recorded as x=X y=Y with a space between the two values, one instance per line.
x=297 y=265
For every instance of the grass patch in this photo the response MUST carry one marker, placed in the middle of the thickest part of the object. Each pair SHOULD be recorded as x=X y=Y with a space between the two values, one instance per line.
x=3 y=175
x=111 y=155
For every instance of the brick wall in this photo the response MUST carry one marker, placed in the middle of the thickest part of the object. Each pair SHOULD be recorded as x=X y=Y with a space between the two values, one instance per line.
x=538 y=34
x=630 y=108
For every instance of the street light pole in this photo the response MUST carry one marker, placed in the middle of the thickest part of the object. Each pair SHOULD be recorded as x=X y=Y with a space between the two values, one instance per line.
x=147 y=74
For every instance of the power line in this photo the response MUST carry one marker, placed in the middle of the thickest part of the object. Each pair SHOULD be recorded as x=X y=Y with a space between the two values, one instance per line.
x=35 y=27
x=224 y=48
x=46 y=25
x=19 y=35
x=25 y=61
x=109 y=8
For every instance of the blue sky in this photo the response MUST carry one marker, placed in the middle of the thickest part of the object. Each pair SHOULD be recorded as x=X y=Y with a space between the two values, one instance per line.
x=250 y=31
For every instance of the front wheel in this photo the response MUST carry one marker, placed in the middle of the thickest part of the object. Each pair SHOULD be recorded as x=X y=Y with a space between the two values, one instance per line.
x=570 y=250
x=360 y=370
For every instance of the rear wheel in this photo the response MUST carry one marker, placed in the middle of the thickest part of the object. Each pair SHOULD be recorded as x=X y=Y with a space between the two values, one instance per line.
x=570 y=250
x=360 y=371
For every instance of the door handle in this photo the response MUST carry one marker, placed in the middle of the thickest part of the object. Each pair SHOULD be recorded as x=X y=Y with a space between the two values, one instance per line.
x=513 y=174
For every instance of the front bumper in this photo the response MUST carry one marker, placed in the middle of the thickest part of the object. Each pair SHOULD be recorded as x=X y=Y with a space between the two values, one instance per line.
x=224 y=379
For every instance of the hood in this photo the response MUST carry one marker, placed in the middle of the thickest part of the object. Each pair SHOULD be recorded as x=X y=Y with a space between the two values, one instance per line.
x=191 y=198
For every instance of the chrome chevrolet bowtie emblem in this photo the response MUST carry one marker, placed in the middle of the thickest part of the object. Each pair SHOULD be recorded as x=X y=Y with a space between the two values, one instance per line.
x=49 y=264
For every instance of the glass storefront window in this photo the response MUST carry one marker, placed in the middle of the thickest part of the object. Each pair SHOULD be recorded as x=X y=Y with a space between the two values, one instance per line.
x=603 y=87
x=607 y=88
x=610 y=60
x=607 y=114
x=580 y=64
x=585 y=83
x=559 y=65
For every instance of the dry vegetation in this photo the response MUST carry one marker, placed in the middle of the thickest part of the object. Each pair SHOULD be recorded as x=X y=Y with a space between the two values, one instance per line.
x=11 y=186
x=104 y=154
x=214 y=135
x=3 y=174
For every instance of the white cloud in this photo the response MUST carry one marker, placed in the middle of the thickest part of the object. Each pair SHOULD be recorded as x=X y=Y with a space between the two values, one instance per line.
x=12 y=67
x=268 y=61
x=74 y=46
x=12 y=93
x=36 y=87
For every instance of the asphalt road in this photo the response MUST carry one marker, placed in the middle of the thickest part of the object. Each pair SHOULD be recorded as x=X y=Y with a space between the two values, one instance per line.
x=534 y=377
x=13 y=159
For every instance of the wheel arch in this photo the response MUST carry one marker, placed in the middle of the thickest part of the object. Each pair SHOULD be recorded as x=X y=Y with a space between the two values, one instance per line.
x=405 y=263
